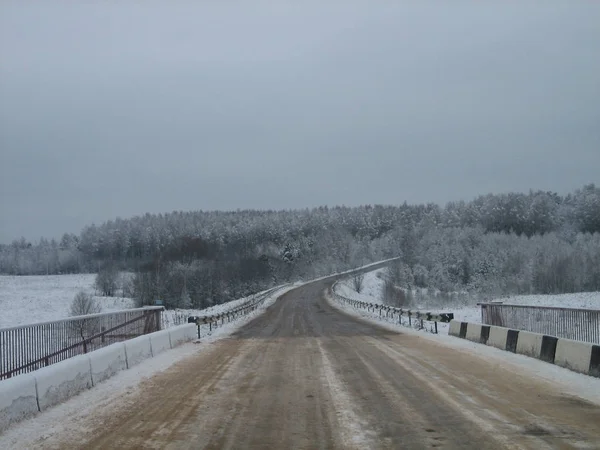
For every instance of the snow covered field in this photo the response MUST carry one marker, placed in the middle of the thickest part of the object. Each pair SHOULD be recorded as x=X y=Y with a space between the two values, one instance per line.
x=371 y=288
x=30 y=299
x=41 y=298
x=372 y=292
x=586 y=300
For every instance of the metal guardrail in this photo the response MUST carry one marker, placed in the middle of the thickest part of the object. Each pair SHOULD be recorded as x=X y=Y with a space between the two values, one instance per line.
x=30 y=347
x=392 y=311
x=232 y=314
x=569 y=323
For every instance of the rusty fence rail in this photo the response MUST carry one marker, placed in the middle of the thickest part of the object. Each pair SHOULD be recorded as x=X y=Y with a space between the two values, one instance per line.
x=29 y=347
x=391 y=312
x=577 y=324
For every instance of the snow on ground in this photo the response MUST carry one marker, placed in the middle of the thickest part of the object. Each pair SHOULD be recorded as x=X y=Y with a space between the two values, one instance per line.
x=30 y=299
x=576 y=384
x=70 y=418
x=472 y=313
x=587 y=300
x=465 y=311
x=179 y=316
x=371 y=288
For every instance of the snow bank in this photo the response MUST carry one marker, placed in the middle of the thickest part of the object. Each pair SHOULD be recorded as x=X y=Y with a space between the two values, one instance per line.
x=160 y=342
x=18 y=400
x=183 y=333
x=24 y=395
x=60 y=381
x=107 y=361
x=137 y=350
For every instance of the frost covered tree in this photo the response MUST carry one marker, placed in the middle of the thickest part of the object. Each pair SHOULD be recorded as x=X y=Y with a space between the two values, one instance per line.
x=358 y=281
x=84 y=304
x=107 y=280
x=507 y=243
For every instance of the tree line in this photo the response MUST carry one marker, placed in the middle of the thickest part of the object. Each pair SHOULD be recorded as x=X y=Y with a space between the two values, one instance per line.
x=498 y=243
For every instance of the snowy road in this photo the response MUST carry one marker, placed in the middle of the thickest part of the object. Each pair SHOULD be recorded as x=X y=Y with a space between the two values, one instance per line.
x=306 y=376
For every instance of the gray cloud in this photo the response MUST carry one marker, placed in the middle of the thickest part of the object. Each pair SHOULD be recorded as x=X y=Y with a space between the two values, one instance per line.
x=118 y=109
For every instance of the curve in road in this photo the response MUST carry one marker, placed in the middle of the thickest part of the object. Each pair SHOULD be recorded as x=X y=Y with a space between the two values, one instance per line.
x=306 y=376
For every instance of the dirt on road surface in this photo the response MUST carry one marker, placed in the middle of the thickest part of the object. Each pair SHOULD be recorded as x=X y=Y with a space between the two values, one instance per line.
x=306 y=376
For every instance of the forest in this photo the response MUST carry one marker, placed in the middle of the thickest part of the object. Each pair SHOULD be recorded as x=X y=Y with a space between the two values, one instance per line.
x=496 y=244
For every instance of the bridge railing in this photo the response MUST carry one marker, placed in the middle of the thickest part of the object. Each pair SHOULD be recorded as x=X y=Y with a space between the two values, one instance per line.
x=29 y=347
x=229 y=315
x=570 y=323
x=391 y=311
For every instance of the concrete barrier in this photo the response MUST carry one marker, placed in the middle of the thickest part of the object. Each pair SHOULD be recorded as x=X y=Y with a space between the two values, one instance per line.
x=498 y=337
x=18 y=399
x=27 y=394
x=574 y=355
x=183 y=333
x=60 y=381
x=595 y=361
x=548 y=348
x=454 y=328
x=160 y=341
x=474 y=332
x=137 y=350
x=192 y=334
x=578 y=356
x=107 y=361
x=529 y=344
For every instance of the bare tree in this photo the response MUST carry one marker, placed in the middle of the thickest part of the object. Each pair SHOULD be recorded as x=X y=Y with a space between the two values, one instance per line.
x=107 y=280
x=126 y=284
x=394 y=296
x=84 y=304
x=358 y=281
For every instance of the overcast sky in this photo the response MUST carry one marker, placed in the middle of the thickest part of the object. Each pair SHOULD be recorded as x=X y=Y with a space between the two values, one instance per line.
x=119 y=108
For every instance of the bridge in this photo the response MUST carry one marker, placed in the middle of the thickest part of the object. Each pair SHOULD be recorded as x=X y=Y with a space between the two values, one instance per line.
x=305 y=375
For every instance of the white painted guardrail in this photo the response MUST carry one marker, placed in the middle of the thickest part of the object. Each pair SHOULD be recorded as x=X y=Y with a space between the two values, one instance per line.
x=578 y=356
x=387 y=311
x=25 y=395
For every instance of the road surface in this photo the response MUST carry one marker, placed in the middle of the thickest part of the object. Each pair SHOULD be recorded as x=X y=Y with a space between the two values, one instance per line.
x=306 y=376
